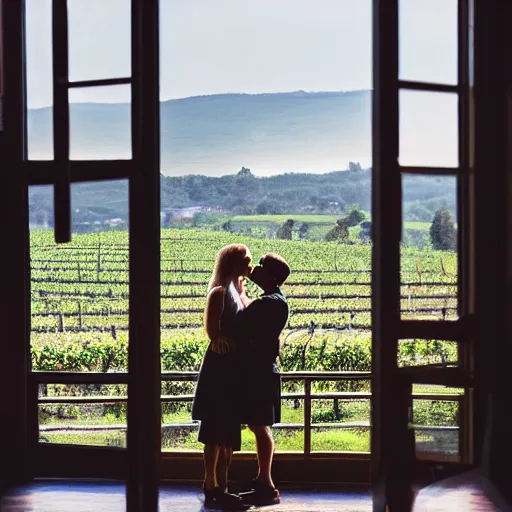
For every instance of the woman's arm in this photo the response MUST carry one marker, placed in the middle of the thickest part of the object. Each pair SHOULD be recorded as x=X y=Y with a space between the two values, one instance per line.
x=213 y=312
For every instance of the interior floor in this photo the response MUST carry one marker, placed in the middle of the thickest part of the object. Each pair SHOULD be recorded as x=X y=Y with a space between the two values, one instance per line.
x=89 y=496
x=465 y=492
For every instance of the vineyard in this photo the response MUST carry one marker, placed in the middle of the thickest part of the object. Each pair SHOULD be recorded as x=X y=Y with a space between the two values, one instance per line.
x=80 y=300
x=84 y=286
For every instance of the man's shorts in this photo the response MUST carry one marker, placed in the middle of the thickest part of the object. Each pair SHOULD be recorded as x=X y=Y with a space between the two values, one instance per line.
x=261 y=405
x=259 y=413
x=221 y=432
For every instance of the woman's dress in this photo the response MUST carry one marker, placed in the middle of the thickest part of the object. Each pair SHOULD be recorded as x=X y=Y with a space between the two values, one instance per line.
x=216 y=389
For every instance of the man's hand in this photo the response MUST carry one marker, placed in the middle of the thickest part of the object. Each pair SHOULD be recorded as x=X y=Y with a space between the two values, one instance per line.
x=241 y=286
x=221 y=345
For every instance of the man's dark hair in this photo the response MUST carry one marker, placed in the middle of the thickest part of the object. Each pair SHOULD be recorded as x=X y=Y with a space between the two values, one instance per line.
x=276 y=266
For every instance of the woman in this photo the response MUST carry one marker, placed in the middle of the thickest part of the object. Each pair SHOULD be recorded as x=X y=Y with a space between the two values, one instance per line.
x=215 y=397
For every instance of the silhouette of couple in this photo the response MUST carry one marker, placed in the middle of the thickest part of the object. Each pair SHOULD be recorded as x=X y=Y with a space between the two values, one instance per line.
x=238 y=382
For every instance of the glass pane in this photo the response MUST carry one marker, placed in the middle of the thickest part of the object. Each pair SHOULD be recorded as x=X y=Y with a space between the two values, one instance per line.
x=100 y=123
x=179 y=432
x=79 y=290
x=429 y=248
x=289 y=434
x=429 y=133
x=340 y=425
x=419 y=352
x=436 y=422
x=39 y=79
x=428 y=55
x=325 y=350
x=82 y=420
x=358 y=385
x=99 y=39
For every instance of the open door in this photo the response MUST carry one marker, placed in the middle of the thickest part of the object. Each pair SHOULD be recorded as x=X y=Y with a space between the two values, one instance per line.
x=408 y=147
x=130 y=387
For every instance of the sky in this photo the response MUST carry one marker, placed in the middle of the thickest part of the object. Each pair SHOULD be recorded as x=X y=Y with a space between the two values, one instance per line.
x=249 y=46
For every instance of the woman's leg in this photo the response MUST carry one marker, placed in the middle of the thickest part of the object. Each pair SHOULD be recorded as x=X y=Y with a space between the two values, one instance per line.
x=211 y=457
x=265 y=451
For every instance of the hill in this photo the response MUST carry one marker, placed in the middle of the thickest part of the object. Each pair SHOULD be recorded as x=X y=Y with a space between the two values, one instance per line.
x=215 y=135
x=297 y=146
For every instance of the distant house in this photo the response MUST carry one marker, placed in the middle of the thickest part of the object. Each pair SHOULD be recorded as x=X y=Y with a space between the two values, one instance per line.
x=184 y=214
x=114 y=222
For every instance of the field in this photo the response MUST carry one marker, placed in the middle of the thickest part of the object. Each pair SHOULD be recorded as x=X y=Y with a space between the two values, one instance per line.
x=312 y=219
x=80 y=299
x=311 y=227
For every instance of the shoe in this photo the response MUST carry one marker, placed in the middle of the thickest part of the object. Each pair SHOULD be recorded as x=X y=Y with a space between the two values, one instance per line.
x=219 y=498
x=261 y=496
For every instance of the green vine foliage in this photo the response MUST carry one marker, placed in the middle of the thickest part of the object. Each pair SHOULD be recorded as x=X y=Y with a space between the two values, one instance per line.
x=182 y=350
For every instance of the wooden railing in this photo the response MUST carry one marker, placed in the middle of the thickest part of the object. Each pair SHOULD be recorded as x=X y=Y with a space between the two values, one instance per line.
x=307 y=395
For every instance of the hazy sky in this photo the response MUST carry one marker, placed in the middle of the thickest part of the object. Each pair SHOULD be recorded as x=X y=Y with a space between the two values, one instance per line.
x=219 y=46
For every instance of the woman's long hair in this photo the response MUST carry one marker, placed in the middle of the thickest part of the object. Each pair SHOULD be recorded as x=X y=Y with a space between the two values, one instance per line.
x=231 y=261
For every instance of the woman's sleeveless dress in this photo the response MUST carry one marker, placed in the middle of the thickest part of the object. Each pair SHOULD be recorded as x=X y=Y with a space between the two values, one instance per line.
x=217 y=384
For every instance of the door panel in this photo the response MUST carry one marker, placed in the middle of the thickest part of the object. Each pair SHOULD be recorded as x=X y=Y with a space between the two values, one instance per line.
x=410 y=320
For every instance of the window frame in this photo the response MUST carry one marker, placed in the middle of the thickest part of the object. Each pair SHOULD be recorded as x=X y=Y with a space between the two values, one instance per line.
x=143 y=377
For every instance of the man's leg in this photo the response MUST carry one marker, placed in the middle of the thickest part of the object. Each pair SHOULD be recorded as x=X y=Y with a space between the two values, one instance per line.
x=223 y=464
x=265 y=450
x=264 y=491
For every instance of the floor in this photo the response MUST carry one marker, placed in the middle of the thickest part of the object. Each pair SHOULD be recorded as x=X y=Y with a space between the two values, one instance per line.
x=65 y=496
x=467 y=492
x=459 y=494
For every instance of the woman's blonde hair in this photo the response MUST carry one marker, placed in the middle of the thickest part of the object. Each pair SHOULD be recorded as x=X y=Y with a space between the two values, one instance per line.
x=231 y=261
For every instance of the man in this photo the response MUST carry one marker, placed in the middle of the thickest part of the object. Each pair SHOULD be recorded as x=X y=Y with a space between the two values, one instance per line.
x=259 y=327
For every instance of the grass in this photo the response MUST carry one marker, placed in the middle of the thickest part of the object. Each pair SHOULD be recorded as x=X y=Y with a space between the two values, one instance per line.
x=314 y=219
x=286 y=440
x=185 y=439
x=417 y=226
x=324 y=438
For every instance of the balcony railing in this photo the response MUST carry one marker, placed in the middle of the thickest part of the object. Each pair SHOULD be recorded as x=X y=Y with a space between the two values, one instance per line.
x=307 y=395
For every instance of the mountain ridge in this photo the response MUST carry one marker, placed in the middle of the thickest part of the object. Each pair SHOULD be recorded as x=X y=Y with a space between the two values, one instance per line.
x=214 y=135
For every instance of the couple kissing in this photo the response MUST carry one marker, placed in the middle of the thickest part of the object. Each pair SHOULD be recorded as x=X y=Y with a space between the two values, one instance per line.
x=239 y=382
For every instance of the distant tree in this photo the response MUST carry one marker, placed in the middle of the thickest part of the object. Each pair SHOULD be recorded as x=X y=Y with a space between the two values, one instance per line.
x=443 y=234
x=197 y=219
x=247 y=183
x=285 y=231
x=304 y=228
x=322 y=204
x=41 y=209
x=267 y=207
x=354 y=167
x=417 y=211
x=227 y=226
x=415 y=238
x=365 y=235
x=245 y=172
x=354 y=215
x=339 y=232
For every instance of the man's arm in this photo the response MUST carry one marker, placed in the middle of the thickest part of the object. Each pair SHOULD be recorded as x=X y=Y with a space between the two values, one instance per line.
x=249 y=321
